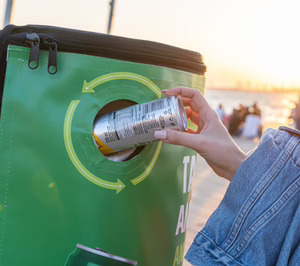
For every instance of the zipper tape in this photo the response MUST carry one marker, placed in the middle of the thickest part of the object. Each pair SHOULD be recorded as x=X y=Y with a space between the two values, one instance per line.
x=121 y=48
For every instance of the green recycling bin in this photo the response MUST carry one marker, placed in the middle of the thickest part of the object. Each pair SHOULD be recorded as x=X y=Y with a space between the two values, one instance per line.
x=57 y=191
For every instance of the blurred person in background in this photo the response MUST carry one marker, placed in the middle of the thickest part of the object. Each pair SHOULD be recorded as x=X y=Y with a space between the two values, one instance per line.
x=221 y=112
x=256 y=109
x=253 y=124
x=234 y=123
x=237 y=120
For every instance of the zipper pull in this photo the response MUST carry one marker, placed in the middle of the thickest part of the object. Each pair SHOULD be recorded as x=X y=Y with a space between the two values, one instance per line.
x=52 y=60
x=34 y=40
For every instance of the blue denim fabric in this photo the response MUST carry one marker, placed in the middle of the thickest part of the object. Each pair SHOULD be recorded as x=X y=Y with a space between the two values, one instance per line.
x=258 y=221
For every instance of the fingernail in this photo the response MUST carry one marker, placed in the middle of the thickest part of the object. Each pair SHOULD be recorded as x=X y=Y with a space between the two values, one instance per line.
x=163 y=91
x=160 y=134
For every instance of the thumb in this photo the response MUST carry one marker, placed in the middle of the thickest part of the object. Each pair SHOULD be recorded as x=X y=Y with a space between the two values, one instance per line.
x=178 y=138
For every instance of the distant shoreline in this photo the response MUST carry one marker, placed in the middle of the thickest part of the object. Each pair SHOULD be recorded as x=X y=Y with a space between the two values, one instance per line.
x=257 y=90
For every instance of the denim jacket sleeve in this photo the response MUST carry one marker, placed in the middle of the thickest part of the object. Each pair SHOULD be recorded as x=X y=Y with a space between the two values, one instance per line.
x=258 y=221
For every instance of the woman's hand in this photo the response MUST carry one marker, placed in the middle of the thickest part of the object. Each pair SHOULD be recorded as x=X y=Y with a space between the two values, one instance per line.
x=211 y=140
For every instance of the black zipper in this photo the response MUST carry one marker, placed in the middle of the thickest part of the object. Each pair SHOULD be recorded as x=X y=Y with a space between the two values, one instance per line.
x=114 y=47
x=52 y=60
x=34 y=41
x=37 y=42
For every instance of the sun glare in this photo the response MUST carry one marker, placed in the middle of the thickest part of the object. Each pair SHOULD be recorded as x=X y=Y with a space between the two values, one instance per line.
x=249 y=42
x=277 y=43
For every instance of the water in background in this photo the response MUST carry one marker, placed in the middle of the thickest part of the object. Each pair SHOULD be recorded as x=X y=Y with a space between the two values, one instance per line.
x=275 y=107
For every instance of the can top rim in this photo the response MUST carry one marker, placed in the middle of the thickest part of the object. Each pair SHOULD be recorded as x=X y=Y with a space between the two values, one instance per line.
x=183 y=120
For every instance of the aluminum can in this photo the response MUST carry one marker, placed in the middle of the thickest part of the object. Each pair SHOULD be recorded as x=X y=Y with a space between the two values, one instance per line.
x=135 y=125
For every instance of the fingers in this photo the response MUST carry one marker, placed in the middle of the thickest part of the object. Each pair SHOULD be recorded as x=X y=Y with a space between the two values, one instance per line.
x=196 y=119
x=193 y=116
x=197 y=101
x=188 y=112
x=178 y=138
x=188 y=102
x=194 y=99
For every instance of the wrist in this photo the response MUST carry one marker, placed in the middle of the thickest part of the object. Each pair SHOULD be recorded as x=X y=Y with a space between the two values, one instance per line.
x=238 y=157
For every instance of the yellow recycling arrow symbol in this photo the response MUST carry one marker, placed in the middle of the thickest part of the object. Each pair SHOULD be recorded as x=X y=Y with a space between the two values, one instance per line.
x=88 y=87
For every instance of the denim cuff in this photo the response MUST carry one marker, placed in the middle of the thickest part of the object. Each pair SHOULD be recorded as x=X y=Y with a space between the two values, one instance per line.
x=204 y=251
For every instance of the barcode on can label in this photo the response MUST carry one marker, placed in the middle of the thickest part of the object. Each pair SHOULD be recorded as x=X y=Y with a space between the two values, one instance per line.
x=153 y=106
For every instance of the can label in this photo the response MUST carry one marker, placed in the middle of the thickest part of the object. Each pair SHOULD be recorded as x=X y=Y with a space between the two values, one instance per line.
x=135 y=125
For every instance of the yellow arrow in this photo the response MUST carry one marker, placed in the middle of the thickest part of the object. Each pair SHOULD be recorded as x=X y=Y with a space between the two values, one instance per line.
x=88 y=87
x=148 y=170
x=118 y=186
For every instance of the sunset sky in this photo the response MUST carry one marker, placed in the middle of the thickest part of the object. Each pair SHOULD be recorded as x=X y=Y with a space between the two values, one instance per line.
x=245 y=44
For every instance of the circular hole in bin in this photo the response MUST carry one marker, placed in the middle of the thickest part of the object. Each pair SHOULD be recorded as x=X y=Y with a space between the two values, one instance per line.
x=121 y=156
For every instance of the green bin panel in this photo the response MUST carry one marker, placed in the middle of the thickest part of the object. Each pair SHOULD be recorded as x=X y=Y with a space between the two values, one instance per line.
x=57 y=190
